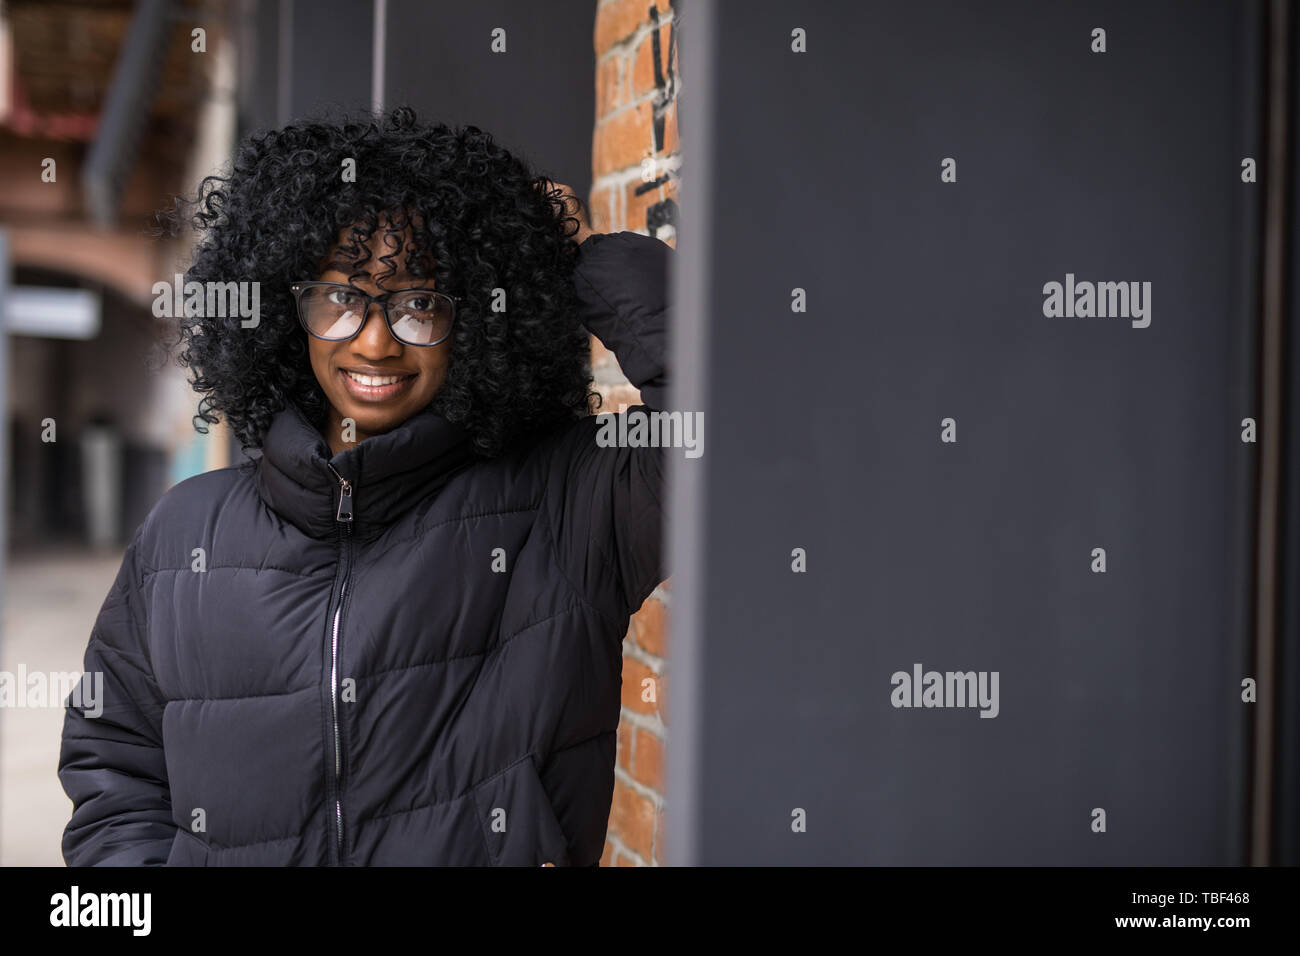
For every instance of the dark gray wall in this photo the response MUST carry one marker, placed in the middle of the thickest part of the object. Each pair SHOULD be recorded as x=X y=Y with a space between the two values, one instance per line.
x=822 y=171
x=537 y=98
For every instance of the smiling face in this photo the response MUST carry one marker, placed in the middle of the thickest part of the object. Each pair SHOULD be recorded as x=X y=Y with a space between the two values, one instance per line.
x=372 y=378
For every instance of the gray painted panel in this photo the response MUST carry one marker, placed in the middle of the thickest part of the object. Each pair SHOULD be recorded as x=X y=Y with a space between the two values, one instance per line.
x=537 y=98
x=1117 y=690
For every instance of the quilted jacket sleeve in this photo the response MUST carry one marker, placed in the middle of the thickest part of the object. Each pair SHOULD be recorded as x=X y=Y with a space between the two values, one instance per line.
x=111 y=762
x=606 y=501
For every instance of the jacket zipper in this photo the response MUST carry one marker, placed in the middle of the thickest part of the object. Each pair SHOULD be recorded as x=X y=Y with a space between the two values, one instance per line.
x=344 y=518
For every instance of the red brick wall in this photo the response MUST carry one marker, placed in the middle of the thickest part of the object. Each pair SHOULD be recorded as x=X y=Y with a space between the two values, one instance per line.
x=635 y=157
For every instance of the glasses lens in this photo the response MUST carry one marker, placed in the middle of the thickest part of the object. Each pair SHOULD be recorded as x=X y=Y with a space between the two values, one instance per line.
x=420 y=317
x=331 y=313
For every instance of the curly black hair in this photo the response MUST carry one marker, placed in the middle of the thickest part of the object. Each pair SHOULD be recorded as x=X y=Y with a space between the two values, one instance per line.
x=481 y=219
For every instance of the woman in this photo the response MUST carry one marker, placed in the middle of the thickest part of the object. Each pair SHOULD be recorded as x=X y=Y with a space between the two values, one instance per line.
x=394 y=637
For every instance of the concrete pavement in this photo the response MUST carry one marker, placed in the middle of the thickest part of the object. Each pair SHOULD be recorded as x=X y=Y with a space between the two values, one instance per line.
x=51 y=601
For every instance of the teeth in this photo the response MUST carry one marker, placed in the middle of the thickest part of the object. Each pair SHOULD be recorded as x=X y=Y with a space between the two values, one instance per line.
x=373 y=381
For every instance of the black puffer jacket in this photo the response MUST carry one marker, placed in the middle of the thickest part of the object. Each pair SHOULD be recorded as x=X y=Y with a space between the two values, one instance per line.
x=436 y=681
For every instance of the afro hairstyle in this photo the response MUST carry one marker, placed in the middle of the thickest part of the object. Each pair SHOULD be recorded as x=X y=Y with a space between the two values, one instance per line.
x=482 y=222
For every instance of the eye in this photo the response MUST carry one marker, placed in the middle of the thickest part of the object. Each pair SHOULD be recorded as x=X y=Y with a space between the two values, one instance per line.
x=422 y=304
x=340 y=297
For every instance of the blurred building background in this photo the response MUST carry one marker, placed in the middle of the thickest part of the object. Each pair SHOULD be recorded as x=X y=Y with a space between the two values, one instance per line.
x=108 y=108
x=88 y=152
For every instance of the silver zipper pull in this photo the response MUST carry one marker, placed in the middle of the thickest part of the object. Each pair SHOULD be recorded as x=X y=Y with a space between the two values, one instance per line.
x=344 y=515
x=345 y=501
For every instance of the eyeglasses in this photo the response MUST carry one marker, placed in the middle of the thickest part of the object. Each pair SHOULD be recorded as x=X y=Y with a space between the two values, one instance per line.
x=336 y=312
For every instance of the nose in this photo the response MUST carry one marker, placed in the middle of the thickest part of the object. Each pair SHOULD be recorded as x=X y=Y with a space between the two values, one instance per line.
x=374 y=341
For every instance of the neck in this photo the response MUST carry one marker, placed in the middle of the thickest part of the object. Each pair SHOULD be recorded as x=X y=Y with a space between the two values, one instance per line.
x=334 y=437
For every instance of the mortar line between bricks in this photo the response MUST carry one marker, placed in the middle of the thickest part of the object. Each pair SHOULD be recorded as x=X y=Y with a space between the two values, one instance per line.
x=642 y=656
x=647 y=97
x=627 y=851
x=656 y=799
x=651 y=722
x=622 y=847
x=628 y=43
x=628 y=176
x=625 y=176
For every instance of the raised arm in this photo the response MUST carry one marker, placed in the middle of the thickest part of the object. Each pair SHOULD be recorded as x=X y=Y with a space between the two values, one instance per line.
x=606 y=502
x=622 y=284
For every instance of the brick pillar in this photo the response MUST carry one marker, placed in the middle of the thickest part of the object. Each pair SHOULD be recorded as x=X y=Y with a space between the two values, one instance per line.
x=635 y=158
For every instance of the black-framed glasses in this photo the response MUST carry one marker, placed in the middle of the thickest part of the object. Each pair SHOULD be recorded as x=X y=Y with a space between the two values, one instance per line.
x=336 y=312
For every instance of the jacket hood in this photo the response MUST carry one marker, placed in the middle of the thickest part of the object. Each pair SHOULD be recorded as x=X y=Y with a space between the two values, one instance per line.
x=389 y=473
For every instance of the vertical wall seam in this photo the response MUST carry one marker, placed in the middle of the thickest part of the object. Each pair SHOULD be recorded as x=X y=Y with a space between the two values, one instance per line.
x=1273 y=301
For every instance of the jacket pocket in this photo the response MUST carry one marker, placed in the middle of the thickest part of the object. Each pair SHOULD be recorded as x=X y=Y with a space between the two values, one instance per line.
x=187 y=850
x=519 y=826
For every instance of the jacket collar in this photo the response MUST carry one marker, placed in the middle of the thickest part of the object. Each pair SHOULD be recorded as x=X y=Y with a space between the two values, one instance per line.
x=389 y=473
